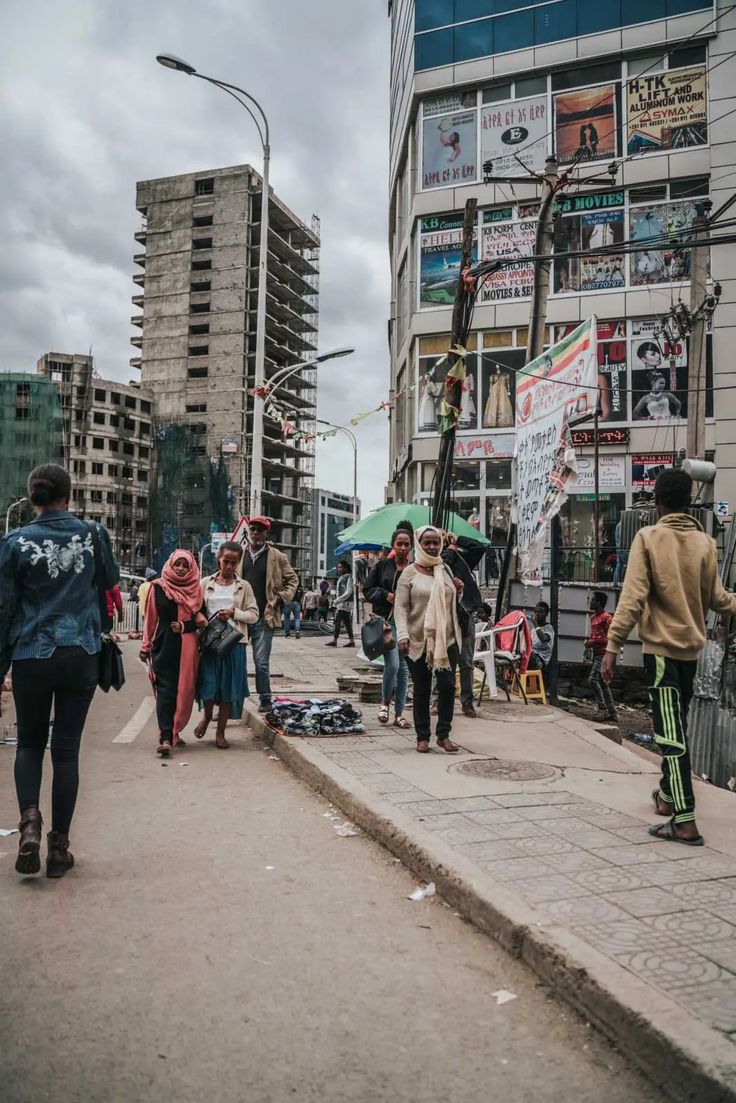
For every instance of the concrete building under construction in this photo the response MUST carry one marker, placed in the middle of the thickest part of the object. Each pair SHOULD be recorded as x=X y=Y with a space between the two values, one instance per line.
x=198 y=283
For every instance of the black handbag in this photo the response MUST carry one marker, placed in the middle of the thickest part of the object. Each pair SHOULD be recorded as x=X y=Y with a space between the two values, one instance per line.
x=219 y=637
x=111 y=672
x=375 y=636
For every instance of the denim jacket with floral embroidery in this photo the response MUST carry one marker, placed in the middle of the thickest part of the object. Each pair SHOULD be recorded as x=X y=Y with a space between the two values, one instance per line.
x=48 y=597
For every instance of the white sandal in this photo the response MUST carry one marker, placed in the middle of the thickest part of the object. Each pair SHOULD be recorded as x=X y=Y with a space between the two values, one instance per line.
x=383 y=714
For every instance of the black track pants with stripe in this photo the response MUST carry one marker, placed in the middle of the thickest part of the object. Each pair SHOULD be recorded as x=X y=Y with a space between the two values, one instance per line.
x=670 y=683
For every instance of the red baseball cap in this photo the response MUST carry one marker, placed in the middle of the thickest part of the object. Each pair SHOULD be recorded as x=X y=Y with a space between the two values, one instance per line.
x=262 y=522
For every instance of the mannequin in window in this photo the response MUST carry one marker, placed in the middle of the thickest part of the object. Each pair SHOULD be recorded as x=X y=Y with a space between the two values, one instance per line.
x=468 y=414
x=498 y=412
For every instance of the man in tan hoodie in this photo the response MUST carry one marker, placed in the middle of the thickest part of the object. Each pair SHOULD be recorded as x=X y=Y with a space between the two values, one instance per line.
x=671 y=582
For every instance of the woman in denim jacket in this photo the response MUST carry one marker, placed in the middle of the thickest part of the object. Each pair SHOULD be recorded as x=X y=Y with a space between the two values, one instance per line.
x=50 y=632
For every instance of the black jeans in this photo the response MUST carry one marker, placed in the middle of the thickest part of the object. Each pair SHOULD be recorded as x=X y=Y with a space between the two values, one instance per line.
x=601 y=689
x=670 y=683
x=68 y=681
x=344 y=616
x=421 y=677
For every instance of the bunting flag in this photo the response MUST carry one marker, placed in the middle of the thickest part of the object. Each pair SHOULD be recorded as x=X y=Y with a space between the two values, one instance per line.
x=453 y=378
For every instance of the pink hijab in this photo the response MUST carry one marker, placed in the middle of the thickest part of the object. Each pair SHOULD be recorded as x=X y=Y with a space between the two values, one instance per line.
x=187 y=591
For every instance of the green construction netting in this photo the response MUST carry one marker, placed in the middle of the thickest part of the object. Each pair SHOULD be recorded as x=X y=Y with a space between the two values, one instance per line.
x=191 y=496
x=30 y=434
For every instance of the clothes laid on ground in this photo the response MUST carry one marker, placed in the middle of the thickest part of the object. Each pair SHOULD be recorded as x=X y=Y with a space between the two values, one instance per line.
x=315 y=717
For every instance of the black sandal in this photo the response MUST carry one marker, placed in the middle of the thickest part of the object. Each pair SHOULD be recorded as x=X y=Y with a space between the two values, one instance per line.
x=667 y=831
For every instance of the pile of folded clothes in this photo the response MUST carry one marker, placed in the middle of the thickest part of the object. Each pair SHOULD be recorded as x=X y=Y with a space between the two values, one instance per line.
x=314 y=717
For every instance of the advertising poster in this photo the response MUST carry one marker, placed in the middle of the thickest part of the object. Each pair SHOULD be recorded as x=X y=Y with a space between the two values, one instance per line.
x=585 y=124
x=556 y=387
x=518 y=127
x=660 y=224
x=508 y=239
x=611 y=474
x=589 y=222
x=450 y=141
x=658 y=374
x=666 y=111
x=611 y=358
x=440 y=255
x=646 y=467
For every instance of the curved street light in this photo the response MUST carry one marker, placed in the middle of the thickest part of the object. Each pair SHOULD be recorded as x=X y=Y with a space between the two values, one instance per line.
x=283 y=374
x=171 y=61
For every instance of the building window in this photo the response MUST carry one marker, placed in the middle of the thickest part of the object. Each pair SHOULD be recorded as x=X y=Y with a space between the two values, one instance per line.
x=199 y=308
x=79 y=468
x=143 y=452
x=99 y=419
x=202 y=243
x=98 y=442
x=96 y=495
x=127 y=472
x=129 y=424
x=142 y=476
x=100 y=396
x=144 y=428
x=145 y=406
x=201 y=285
x=199 y=350
x=111 y=522
x=81 y=392
x=202 y=220
x=112 y=470
x=128 y=449
x=141 y=502
x=98 y=469
x=201 y=265
x=111 y=495
x=130 y=402
x=197 y=373
x=114 y=420
x=204 y=187
x=196 y=408
x=113 y=445
x=204 y=327
x=115 y=398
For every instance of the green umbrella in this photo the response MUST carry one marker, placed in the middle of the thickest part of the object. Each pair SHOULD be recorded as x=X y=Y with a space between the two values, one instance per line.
x=375 y=530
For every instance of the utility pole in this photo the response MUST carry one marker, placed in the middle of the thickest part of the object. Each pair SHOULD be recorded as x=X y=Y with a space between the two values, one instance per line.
x=543 y=246
x=695 y=439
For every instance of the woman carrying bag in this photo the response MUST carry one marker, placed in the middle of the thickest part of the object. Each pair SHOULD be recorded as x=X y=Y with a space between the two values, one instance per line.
x=174 y=613
x=428 y=632
x=380 y=590
x=223 y=679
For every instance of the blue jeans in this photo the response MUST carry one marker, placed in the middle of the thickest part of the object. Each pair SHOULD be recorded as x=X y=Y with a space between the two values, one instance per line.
x=292 y=609
x=395 y=677
x=262 y=638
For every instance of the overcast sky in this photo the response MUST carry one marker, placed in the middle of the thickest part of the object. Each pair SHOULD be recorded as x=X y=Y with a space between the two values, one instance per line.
x=87 y=112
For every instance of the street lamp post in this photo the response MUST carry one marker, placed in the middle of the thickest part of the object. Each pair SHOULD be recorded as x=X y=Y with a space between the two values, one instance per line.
x=11 y=507
x=283 y=374
x=351 y=436
x=170 y=61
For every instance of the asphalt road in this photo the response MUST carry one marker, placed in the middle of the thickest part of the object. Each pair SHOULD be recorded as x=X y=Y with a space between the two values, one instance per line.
x=218 y=939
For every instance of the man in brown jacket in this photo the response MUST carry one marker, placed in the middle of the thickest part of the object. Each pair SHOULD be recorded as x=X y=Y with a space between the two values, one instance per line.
x=671 y=581
x=274 y=582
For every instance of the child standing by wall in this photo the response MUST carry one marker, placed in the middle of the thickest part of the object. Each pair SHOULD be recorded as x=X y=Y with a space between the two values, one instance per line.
x=596 y=645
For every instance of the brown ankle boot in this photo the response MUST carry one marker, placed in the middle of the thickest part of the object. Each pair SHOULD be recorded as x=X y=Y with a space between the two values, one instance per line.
x=59 y=858
x=28 y=860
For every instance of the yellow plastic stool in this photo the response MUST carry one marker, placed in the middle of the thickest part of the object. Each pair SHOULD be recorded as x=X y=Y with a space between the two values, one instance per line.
x=533 y=685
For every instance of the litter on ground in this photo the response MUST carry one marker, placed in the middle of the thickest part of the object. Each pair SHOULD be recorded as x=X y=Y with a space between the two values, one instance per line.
x=504 y=996
x=423 y=892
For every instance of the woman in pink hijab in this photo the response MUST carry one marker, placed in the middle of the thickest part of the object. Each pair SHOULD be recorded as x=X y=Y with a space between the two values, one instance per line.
x=174 y=612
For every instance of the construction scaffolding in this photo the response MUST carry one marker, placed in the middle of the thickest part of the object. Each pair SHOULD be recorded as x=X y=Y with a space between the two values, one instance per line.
x=30 y=433
x=191 y=496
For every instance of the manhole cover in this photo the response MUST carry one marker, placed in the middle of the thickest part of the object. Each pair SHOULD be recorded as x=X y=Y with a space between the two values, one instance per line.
x=502 y=769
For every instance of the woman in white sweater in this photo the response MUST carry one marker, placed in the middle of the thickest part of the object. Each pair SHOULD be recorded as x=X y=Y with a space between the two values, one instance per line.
x=429 y=634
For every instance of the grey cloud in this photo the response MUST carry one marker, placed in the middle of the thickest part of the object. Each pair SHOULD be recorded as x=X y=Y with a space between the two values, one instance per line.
x=88 y=112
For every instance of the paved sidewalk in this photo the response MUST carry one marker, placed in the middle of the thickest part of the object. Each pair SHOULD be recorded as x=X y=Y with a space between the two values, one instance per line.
x=549 y=852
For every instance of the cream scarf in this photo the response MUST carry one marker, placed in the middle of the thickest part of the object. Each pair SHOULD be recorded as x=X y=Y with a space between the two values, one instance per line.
x=438 y=618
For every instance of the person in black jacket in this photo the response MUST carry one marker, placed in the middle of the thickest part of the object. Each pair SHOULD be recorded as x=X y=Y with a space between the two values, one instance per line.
x=380 y=590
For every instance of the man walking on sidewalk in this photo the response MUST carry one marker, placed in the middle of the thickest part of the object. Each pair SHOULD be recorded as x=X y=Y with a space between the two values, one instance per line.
x=343 y=604
x=671 y=581
x=274 y=583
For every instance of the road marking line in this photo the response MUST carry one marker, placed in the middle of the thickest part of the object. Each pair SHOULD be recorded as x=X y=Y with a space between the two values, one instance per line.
x=137 y=723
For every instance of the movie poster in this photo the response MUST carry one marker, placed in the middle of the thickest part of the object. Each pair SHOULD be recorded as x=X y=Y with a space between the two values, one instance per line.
x=658 y=374
x=508 y=239
x=645 y=468
x=440 y=256
x=666 y=111
x=513 y=135
x=449 y=141
x=656 y=229
x=587 y=222
x=585 y=124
